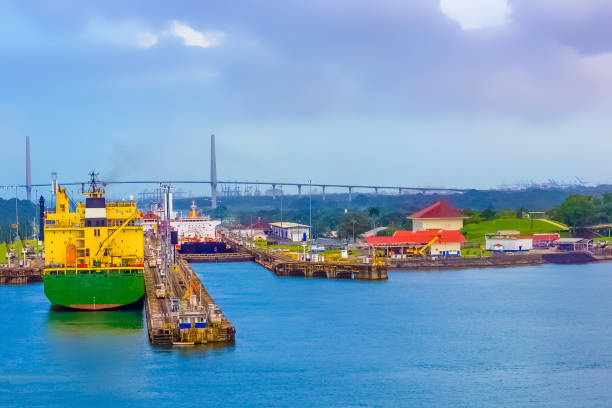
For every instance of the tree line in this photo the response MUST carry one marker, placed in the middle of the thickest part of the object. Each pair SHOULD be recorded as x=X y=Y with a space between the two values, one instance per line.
x=579 y=210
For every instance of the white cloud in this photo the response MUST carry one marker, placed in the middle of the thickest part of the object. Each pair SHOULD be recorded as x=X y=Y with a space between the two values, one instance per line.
x=123 y=33
x=196 y=38
x=136 y=34
x=146 y=39
x=477 y=14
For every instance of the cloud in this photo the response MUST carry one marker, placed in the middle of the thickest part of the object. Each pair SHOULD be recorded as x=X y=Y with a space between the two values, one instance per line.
x=477 y=14
x=194 y=38
x=123 y=33
x=146 y=39
x=137 y=34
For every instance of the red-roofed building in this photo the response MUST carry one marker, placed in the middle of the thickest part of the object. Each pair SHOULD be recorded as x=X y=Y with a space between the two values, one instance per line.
x=439 y=215
x=149 y=222
x=443 y=242
x=150 y=216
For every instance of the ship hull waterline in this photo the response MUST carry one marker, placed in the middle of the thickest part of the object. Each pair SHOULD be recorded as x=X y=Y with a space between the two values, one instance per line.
x=94 y=291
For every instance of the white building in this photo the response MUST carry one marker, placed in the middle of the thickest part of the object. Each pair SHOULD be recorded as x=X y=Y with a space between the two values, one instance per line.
x=508 y=241
x=254 y=231
x=291 y=231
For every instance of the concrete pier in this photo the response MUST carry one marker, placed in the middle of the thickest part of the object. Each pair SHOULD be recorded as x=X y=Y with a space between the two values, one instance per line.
x=282 y=265
x=160 y=324
x=362 y=272
x=19 y=276
x=183 y=313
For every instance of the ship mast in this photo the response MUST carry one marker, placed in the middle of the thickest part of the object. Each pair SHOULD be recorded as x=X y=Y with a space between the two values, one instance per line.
x=94 y=189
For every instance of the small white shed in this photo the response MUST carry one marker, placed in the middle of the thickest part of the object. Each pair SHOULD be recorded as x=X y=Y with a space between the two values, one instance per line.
x=508 y=241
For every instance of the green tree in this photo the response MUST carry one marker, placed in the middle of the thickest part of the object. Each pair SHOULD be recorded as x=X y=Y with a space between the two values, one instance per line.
x=488 y=214
x=3 y=253
x=373 y=213
x=473 y=217
x=580 y=210
x=18 y=247
x=220 y=212
x=396 y=220
x=606 y=207
x=387 y=232
x=354 y=223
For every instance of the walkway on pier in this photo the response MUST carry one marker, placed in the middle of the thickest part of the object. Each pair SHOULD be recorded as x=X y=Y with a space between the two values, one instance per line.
x=282 y=265
x=163 y=324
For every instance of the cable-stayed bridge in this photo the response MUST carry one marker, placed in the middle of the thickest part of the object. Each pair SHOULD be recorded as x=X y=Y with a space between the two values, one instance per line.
x=276 y=186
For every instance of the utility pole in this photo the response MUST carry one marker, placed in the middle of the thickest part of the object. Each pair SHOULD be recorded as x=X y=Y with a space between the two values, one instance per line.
x=16 y=215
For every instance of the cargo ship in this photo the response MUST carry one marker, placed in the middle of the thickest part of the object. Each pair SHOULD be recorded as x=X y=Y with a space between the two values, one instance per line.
x=94 y=256
x=197 y=234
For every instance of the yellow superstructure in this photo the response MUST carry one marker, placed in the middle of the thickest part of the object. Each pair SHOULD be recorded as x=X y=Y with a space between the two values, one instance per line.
x=97 y=234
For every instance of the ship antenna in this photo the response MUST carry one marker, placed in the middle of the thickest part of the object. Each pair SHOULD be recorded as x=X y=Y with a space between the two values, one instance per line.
x=93 y=182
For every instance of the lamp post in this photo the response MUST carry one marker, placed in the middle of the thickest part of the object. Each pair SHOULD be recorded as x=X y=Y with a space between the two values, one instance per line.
x=310 y=206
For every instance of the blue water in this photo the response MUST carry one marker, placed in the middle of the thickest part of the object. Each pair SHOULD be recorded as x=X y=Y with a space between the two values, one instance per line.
x=532 y=336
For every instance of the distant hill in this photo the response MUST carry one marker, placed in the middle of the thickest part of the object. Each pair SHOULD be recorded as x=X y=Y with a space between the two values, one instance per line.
x=531 y=200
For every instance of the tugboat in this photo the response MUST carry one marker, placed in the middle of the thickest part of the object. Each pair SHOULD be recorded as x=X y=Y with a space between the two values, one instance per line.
x=93 y=256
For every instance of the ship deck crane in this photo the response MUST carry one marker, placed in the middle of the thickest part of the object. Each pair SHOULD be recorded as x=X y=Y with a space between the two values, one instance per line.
x=114 y=235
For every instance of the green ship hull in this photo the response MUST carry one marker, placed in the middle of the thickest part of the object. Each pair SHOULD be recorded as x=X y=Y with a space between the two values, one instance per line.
x=94 y=289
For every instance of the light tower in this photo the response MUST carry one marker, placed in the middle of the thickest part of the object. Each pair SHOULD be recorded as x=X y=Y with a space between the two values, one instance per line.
x=28 y=171
x=213 y=174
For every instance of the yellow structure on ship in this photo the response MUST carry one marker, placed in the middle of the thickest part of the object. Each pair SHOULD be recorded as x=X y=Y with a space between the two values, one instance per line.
x=94 y=256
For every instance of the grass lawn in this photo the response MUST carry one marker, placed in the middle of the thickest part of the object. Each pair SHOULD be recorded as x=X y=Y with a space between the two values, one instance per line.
x=293 y=248
x=476 y=232
x=603 y=239
x=474 y=252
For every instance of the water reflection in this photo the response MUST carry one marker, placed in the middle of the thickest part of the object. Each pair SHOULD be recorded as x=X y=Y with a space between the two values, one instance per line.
x=74 y=323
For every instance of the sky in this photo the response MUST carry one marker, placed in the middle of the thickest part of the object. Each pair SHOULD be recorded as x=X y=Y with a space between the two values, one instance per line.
x=446 y=93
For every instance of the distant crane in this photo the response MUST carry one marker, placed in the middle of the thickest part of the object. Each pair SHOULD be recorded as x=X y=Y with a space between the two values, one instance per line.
x=581 y=181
